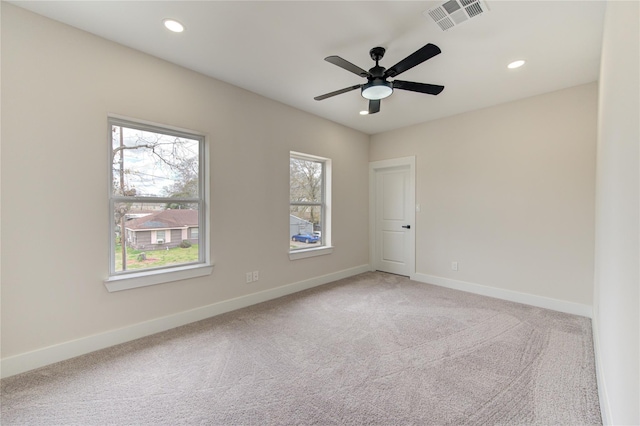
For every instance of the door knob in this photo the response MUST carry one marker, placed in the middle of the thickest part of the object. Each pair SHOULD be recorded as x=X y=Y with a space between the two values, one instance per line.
x=406 y=226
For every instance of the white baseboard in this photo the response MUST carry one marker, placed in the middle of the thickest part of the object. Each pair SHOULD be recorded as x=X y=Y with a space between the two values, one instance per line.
x=39 y=358
x=512 y=296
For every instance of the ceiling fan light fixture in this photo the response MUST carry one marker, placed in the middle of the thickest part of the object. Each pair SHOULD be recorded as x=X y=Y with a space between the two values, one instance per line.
x=376 y=89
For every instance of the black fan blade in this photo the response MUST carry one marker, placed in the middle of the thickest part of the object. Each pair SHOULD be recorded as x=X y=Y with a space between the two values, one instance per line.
x=374 y=106
x=431 y=89
x=337 y=92
x=342 y=63
x=427 y=51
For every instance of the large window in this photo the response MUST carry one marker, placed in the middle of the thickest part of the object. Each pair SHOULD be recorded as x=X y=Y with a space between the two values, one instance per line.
x=157 y=202
x=309 y=204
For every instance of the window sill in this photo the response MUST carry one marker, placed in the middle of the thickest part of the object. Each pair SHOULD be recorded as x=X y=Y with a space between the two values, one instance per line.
x=147 y=278
x=312 y=252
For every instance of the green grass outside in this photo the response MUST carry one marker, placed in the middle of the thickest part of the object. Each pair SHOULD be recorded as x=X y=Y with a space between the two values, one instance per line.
x=156 y=258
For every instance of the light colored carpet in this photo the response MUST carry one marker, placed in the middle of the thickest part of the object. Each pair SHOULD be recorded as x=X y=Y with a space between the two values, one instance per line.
x=371 y=349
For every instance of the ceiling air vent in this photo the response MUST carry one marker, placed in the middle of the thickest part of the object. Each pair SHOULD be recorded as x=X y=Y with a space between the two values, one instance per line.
x=454 y=12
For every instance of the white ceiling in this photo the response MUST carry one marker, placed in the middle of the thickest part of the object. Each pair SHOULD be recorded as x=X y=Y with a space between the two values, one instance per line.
x=276 y=49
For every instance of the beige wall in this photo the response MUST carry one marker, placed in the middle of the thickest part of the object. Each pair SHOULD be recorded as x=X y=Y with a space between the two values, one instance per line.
x=58 y=85
x=617 y=275
x=508 y=193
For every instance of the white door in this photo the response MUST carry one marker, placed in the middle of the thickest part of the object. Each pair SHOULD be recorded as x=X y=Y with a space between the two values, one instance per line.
x=394 y=216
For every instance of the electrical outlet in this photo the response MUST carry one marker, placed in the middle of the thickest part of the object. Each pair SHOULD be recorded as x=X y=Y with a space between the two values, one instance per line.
x=454 y=266
x=256 y=276
x=249 y=277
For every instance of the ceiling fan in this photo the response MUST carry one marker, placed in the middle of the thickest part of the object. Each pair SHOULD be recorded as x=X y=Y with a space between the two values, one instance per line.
x=377 y=87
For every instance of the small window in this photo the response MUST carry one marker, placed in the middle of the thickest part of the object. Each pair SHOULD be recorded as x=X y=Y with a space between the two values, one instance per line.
x=194 y=233
x=157 y=178
x=309 y=205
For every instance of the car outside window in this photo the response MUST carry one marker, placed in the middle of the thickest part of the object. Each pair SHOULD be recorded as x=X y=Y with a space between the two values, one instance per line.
x=309 y=202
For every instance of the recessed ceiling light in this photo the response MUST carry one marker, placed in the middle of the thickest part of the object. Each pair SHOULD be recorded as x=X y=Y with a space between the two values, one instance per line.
x=364 y=112
x=173 y=25
x=516 y=64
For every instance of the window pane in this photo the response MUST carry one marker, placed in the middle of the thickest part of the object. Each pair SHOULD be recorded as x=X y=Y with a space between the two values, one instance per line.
x=154 y=236
x=305 y=181
x=305 y=227
x=150 y=164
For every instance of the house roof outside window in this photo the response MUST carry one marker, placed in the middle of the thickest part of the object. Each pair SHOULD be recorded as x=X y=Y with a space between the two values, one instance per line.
x=165 y=219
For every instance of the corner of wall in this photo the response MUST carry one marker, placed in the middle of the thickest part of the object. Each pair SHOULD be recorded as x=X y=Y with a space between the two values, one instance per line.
x=603 y=396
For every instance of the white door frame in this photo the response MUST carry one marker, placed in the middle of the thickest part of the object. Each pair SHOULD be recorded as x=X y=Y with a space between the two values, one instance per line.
x=374 y=167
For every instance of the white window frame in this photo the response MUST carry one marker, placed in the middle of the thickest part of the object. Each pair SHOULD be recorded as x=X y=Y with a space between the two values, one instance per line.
x=125 y=280
x=326 y=248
